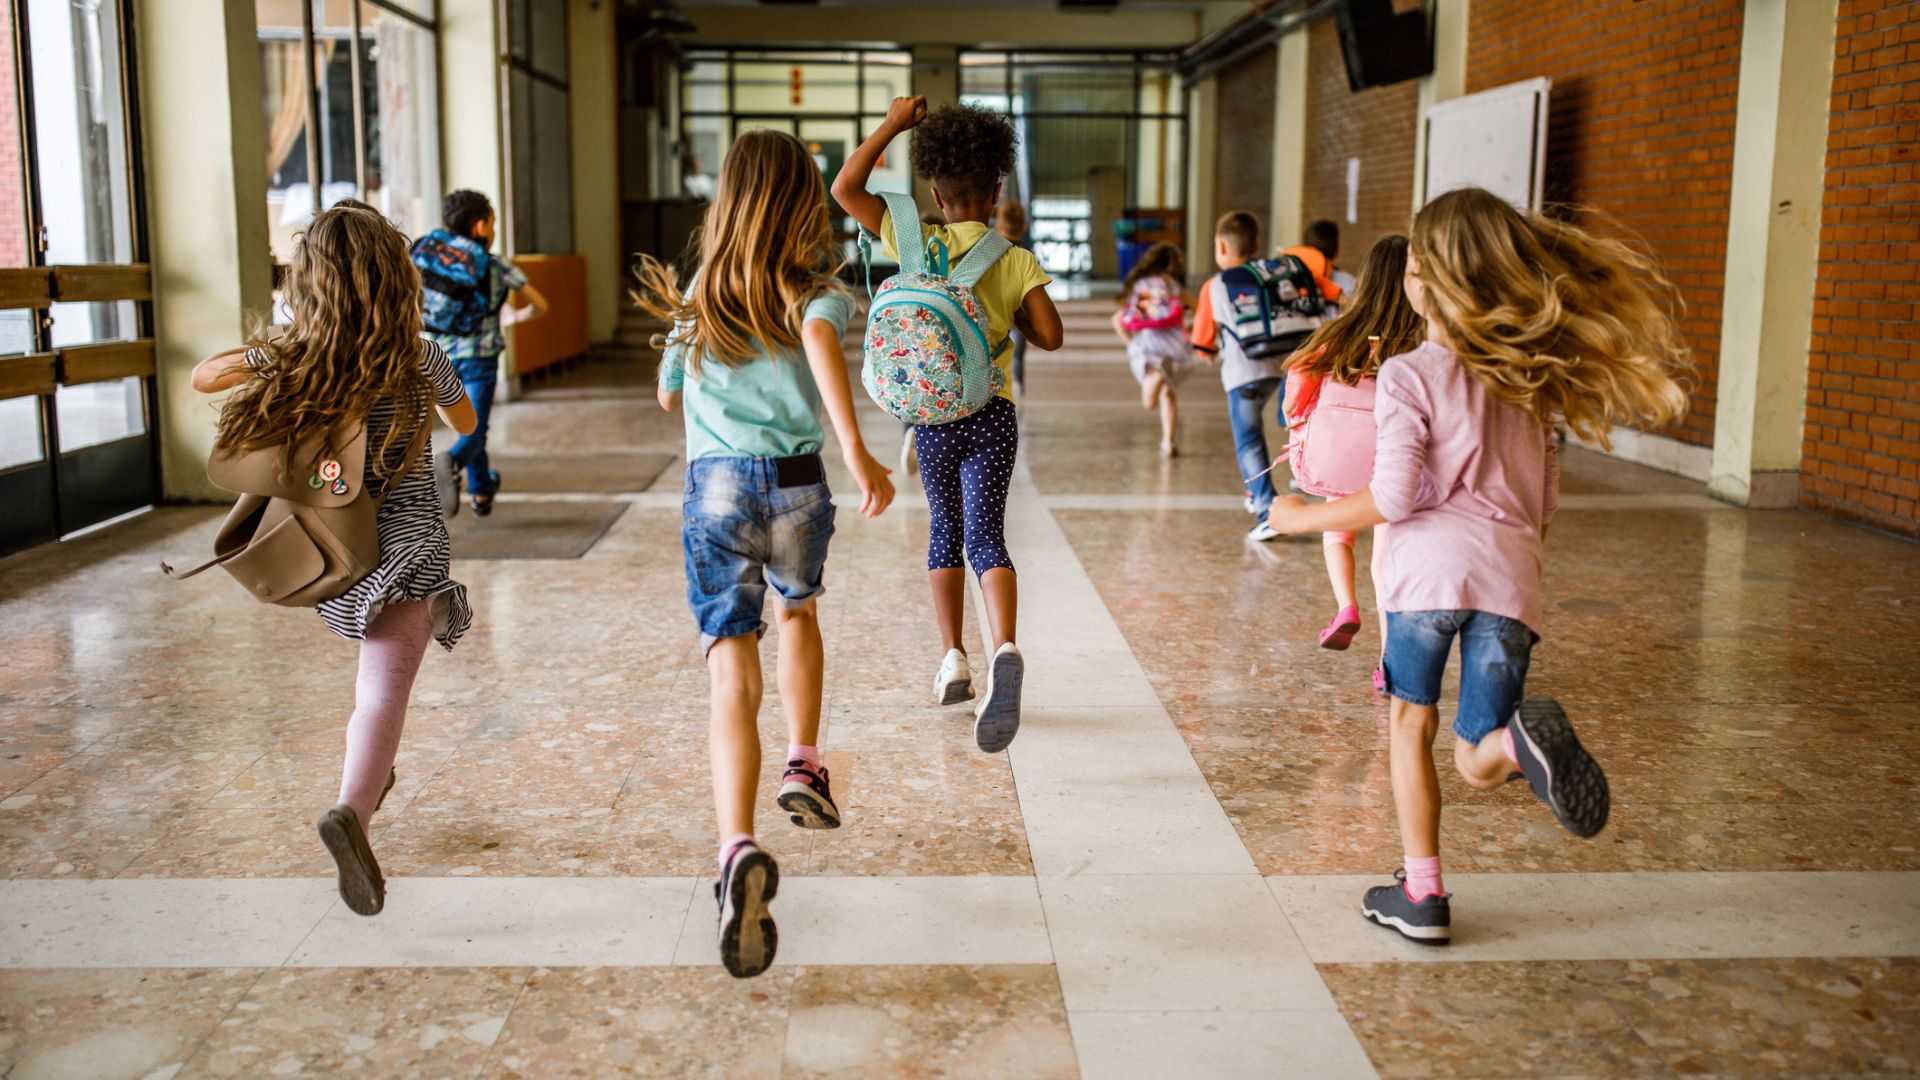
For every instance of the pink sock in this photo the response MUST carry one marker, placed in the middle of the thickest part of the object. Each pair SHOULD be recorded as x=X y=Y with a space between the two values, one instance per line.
x=1506 y=741
x=1423 y=878
x=808 y=754
x=389 y=658
x=728 y=844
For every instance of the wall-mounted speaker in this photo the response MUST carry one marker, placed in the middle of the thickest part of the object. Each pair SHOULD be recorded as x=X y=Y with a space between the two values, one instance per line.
x=1382 y=46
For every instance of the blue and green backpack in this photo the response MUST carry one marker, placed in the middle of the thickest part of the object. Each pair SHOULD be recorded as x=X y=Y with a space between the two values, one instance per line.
x=928 y=357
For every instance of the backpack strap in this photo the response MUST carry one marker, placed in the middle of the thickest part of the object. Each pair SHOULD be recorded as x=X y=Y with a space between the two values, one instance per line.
x=908 y=241
x=980 y=259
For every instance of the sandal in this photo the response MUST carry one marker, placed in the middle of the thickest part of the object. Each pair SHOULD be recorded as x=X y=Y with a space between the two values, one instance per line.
x=360 y=883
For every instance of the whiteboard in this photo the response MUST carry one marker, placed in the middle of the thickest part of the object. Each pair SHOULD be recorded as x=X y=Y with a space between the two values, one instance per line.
x=1496 y=139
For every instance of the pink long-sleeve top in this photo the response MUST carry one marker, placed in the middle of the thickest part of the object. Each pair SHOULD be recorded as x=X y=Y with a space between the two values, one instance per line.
x=1468 y=482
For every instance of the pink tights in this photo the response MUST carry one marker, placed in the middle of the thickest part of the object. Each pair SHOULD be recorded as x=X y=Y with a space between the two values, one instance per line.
x=389 y=658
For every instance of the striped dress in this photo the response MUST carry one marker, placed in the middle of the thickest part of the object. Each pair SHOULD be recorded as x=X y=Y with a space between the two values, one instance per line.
x=415 y=552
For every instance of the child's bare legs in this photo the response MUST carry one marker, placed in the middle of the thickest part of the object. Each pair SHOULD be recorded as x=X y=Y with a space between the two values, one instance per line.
x=390 y=657
x=950 y=604
x=1169 y=417
x=1487 y=765
x=1416 y=786
x=802 y=663
x=733 y=735
x=1339 y=554
x=1150 y=388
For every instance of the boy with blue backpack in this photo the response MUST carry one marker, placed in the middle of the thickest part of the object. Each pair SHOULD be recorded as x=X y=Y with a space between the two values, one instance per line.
x=1250 y=317
x=464 y=286
x=937 y=357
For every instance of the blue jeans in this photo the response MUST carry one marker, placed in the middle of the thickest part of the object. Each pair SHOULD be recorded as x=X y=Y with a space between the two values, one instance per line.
x=741 y=532
x=1244 y=406
x=470 y=451
x=1494 y=654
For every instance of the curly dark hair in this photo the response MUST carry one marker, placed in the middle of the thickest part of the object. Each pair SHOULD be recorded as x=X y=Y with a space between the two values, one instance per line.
x=964 y=151
x=461 y=210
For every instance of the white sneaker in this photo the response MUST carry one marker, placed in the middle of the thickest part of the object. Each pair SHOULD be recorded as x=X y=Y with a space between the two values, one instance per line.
x=954 y=684
x=996 y=720
x=1262 y=532
x=1247 y=505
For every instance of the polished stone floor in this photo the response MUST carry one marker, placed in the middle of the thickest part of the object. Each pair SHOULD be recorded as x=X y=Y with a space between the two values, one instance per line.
x=1160 y=879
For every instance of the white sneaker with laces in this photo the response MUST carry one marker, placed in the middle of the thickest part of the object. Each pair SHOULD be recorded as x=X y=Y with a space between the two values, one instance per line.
x=954 y=684
x=1262 y=532
x=1247 y=505
x=996 y=720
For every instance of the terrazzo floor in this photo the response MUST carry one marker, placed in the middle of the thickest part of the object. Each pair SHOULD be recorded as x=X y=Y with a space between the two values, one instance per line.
x=1160 y=879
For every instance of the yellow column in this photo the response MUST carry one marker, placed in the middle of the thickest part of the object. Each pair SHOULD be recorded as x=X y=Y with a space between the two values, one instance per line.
x=470 y=133
x=593 y=96
x=1203 y=112
x=1448 y=81
x=1779 y=173
x=205 y=155
x=1285 y=220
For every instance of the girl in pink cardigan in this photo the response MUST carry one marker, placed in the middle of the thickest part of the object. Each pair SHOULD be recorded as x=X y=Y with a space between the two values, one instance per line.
x=1531 y=322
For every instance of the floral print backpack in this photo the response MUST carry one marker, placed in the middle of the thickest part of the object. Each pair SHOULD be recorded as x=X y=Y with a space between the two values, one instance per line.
x=928 y=358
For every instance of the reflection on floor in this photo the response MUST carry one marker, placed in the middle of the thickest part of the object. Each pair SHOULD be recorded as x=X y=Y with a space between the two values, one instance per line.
x=1159 y=879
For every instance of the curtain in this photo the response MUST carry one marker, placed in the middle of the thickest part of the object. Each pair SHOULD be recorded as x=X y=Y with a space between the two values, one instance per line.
x=285 y=80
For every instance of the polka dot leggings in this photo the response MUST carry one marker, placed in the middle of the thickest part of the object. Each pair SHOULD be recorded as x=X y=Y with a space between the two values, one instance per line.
x=966 y=467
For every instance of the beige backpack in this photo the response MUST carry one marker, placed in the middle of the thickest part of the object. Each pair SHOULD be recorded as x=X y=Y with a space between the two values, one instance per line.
x=296 y=540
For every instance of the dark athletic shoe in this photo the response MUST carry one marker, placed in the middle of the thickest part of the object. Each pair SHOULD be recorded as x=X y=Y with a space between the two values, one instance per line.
x=747 y=934
x=996 y=720
x=807 y=797
x=1428 y=921
x=361 y=886
x=1560 y=770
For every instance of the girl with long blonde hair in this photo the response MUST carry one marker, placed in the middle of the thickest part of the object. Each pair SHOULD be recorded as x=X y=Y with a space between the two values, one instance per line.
x=754 y=353
x=1531 y=323
x=352 y=355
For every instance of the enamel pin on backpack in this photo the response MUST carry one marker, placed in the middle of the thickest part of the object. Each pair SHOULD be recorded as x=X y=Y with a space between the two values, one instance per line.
x=928 y=357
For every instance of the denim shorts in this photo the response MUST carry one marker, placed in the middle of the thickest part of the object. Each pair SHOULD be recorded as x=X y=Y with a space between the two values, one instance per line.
x=1494 y=651
x=742 y=532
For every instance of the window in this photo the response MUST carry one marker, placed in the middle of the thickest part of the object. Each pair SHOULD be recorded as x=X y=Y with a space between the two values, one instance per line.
x=539 y=126
x=365 y=74
x=1102 y=159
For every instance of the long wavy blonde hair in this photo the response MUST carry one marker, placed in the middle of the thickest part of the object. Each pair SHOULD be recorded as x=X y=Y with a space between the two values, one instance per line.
x=354 y=341
x=766 y=251
x=1573 y=327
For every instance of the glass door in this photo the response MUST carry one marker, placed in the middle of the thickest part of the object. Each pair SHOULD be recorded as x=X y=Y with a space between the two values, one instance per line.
x=76 y=353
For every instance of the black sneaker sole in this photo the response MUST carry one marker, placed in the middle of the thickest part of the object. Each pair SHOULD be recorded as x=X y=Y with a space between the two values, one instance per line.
x=999 y=718
x=807 y=809
x=957 y=692
x=362 y=888
x=749 y=940
x=1576 y=788
x=1433 y=935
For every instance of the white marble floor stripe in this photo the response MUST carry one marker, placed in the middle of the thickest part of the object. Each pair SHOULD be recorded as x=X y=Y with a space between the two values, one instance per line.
x=1133 y=502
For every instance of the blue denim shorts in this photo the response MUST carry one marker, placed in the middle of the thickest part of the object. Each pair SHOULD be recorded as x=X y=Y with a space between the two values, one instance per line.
x=1494 y=651
x=742 y=532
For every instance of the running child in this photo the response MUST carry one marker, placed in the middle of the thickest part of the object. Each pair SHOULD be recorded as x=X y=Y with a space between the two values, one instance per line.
x=1530 y=322
x=966 y=465
x=471 y=296
x=754 y=353
x=354 y=353
x=1334 y=371
x=1152 y=320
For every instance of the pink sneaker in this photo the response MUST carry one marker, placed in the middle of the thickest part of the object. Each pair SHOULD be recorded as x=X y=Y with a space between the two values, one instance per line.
x=1339 y=633
x=1380 y=679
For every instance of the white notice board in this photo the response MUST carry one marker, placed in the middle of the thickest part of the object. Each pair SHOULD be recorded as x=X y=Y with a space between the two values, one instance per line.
x=1496 y=139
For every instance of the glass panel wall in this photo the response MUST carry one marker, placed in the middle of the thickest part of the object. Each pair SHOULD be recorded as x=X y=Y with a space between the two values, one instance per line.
x=1101 y=148
x=539 y=126
x=368 y=81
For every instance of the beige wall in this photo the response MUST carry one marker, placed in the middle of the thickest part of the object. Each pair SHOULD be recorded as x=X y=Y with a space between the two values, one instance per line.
x=205 y=156
x=594 y=98
x=471 y=154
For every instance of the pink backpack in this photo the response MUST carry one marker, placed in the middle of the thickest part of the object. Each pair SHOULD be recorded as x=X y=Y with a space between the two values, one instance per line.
x=1154 y=305
x=1330 y=444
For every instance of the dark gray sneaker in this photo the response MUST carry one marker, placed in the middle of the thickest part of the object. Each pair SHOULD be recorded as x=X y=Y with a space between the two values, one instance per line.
x=747 y=934
x=1560 y=770
x=1428 y=921
x=446 y=484
x=996 y=720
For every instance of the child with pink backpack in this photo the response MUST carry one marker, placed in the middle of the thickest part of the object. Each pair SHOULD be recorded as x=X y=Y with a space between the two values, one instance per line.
x=1329 y=411
x=1152 y=322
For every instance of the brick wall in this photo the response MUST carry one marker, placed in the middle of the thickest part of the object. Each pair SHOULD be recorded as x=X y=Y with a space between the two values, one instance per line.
x=1243 y=143
x=13 y=206
x=1861 y=454
x=1378 y=126
x=1640 y=128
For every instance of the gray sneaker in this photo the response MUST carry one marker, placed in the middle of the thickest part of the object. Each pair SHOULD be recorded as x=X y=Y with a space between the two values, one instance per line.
x=748 y=937
x=1428 y=921
x=1559 y=769
x=446 y=484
